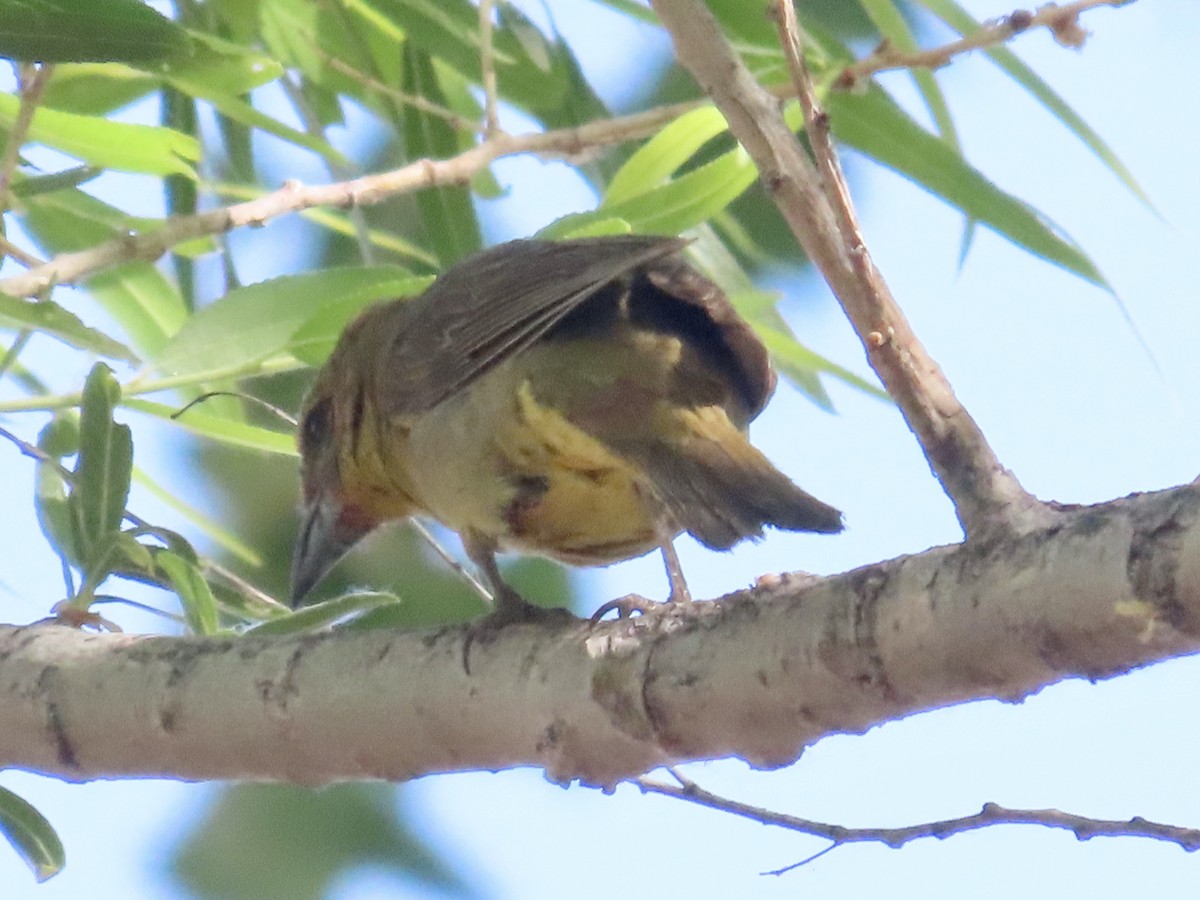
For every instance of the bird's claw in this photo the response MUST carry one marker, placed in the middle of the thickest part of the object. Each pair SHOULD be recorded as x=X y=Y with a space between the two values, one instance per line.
x=626 y=606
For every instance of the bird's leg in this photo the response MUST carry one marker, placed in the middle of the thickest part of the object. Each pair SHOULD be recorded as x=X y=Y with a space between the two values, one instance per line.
x=508 y=605
x=629 y=604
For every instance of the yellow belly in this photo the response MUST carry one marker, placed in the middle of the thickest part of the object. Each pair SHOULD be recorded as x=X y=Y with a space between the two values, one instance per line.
x=520 y=473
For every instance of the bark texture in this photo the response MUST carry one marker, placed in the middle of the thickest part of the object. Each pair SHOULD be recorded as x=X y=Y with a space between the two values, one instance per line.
x=760 y=674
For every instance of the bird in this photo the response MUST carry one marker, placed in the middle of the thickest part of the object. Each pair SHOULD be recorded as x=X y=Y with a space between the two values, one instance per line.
x=585 y=400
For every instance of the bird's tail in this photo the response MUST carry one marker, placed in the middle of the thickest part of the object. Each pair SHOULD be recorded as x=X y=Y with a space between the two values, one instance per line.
x=721 y=489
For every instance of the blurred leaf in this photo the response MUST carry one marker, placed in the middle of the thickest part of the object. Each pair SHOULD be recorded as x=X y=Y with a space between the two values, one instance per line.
x=105 y=464
x=31 y=835
x=964 y=23
x=96 y=88
x=59 y=438
x=326 y=613
x=95 y=30
x=199 y=607
x=314 y=340
x=217 y=533
x=48 y=317
x=277 y=842
x=136 y=294
x=111 y=145
x=253 y=322
x=875 y=124
x=447 y=212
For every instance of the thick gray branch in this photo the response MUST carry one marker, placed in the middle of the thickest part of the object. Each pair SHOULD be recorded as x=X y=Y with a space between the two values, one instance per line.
x=760 y=674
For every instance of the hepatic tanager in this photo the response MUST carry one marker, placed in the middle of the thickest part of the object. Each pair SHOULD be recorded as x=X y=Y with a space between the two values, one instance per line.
x=586 y=400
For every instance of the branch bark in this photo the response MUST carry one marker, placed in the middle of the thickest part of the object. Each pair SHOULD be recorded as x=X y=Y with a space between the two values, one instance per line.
x=760 y=675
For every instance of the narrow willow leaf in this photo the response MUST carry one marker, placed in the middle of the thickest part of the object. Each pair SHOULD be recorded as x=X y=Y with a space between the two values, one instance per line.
x=31 y=835
x=680 y=204
x=98 y=30
x=253 y=322
x=96 y=89
x=110 y=145
x=227 y=431
x=321 y=615
x=447 y=212
x=47 y=317
x=875 y=124
x=105 y=464
x=199 y=607
x=597 y=228
x=659 y=158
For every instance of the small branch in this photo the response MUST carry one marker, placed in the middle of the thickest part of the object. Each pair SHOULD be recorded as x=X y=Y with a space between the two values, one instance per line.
x=1062 y=21
x=1083 y=827
x=487 y=65
x=989 y=501
x=32 y=78
x=69 y=268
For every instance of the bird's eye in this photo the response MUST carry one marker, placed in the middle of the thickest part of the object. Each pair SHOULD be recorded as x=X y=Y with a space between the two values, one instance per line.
x=315 y=428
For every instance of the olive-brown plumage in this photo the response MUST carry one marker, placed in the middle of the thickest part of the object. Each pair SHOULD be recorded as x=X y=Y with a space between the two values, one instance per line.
x=586 y=400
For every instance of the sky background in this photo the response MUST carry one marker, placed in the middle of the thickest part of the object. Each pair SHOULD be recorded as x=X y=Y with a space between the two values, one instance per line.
x=1071 y=402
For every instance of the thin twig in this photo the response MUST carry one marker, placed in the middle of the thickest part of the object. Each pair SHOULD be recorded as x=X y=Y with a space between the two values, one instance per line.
x=32 y=78
x=1083 y=827
x=69 y=268
x=24 y=257
x=431 y=539
x=487 y=65
x=1062 y=21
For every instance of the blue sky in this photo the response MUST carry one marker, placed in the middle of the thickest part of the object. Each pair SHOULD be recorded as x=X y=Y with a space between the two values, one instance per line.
x=1071 y=402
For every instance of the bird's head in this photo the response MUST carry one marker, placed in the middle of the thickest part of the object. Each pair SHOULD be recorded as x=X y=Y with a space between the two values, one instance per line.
x=337 y=455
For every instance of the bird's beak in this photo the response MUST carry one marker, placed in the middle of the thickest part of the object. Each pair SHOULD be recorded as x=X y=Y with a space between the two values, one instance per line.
x=326 y=533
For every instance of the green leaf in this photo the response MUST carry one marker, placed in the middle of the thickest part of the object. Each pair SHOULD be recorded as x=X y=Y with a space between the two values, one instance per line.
x=447 y=213
x=111 y=145
x=48 y=317
x=105 y=464
x=199 y=607
x=321 y=615
x=964 y=23
x=31 y=835
x=96 y=88
x=678 y=205
x=59 y=438
x=315 y=339
x=271 y=840
x=96 y=30
x=227 y=431
x=253 y=322
x=658 y=159
x=875 y=124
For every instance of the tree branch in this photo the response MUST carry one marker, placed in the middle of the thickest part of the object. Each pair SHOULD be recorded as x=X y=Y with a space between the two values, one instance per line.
x=760 y=675
x=1083 y=827
x=1062 y=21
x=988 y=499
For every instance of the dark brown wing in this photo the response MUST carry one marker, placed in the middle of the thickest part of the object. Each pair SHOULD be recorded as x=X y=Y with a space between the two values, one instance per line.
x=492 y=306
x=671 y=296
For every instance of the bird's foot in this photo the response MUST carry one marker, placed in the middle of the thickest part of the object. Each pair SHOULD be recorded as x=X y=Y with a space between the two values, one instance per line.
x=626 y=606
x=512 y=610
